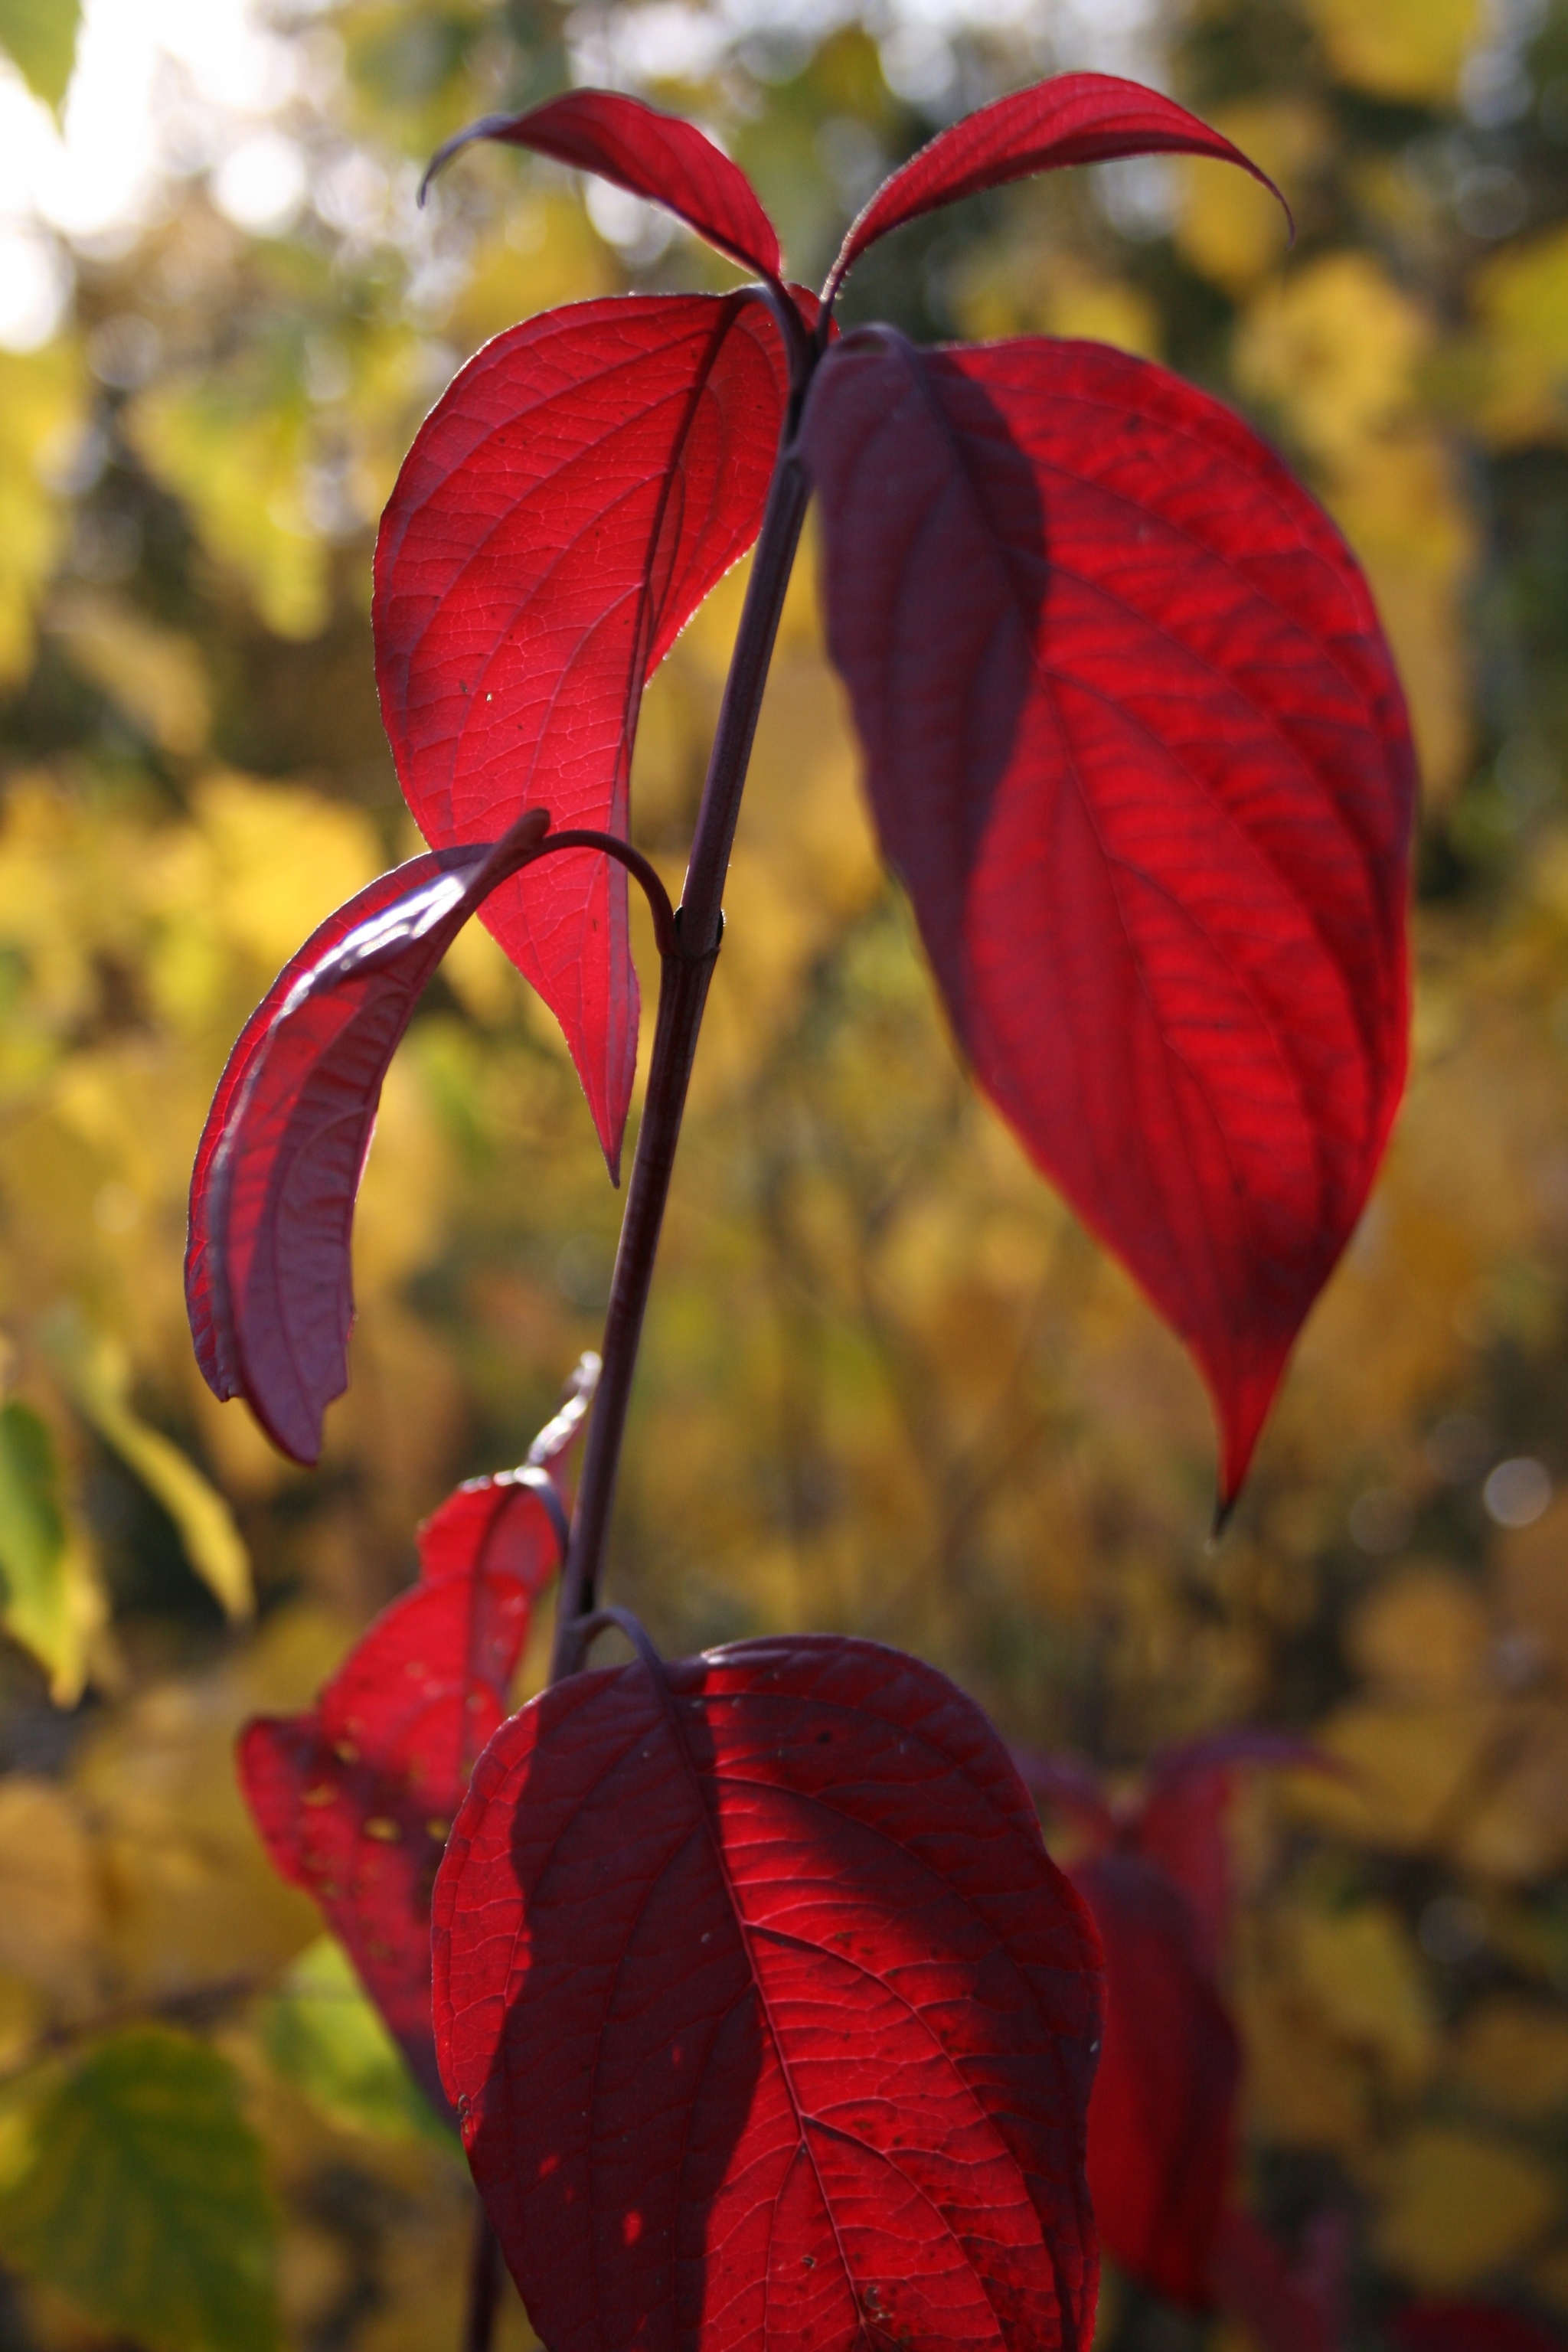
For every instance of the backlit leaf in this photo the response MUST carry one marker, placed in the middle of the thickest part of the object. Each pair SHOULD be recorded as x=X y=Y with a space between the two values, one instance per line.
x=269 y=1281
x=769 y=2017
x=1137 y=749
x=145 y=2201
x=39 y=38
x=657 y=156
x=568 y=503
x=355 y=1798
x=1161 y=2119
x=1077 y=118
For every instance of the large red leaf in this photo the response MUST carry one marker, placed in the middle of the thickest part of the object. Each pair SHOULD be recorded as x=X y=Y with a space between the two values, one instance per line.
x=268 y=1283
x=1161 y=2122
x=354 y=1799
x=766 y=2014
x=567 y=506
x=657 y=156
x=1075 y=118
x=1136 y=745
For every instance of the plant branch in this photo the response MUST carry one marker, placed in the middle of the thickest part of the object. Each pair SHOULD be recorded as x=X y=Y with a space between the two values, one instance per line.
x=484 y=2283
x=683 y=993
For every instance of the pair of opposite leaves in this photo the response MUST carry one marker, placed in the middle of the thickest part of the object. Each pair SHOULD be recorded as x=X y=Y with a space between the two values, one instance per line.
x=764 y=2012
x=1134 y=739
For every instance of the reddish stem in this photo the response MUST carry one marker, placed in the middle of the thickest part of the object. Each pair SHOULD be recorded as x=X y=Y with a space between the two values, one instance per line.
x=683 y=991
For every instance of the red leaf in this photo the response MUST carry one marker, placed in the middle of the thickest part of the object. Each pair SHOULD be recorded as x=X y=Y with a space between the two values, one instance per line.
x=657 y=156
x=1469 y=2328
x=1075 y=118
x=1180 y=1824
x=268 y=1285
x=1252 y=2279
x=567 y=506
x=1162 y=2118
x=354 y=1799
x=1137 y=748
x=766 y=2014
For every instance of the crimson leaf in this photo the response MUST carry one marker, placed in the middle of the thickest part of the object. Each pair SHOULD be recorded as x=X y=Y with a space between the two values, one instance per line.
x=1161 y=2121
x=567 y=504
x=268 y=1285
x=657 y=156
x=354 y=1799
x=1136 y=745
x=1075 y=118
x=766 y=2014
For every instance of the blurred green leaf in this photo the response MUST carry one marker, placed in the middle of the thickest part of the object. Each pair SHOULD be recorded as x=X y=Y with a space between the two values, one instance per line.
x=145 y=2200
x=35 y=1552
x=322 y=2035
x=40 y=36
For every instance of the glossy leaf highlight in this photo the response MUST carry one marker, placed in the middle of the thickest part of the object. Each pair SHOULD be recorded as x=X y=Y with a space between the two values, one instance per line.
x=1074 y=117
x=355 y=1798
x=269 y=1280
x=768 y=2017
x=567 y=506
x=657 y=156
x=1136 y=746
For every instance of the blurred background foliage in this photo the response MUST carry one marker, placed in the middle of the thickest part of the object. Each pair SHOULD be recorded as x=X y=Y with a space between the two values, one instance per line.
x=889 y=1385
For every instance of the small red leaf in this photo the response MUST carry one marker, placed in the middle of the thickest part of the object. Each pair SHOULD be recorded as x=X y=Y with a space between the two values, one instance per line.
x=657 y=156
x=1137 y=748
x=1251 y=2279
x=768 y=2017
x=269 y=1284
x=354 y=1799
x=1161 y=2121
x=1180 y=1824
x=567 y=506
x=1075 y=118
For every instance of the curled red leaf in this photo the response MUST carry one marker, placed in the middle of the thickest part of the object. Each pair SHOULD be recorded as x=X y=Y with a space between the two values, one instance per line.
x=567 y=506
x=1074 y=117
x=1161 y=2119
x=268 y=1282
x=767 y=2016
x=354 y=1799
x=654 y=155
x=1136 y=746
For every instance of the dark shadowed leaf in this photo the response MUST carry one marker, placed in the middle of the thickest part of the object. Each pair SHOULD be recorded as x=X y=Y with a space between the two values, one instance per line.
x=1252 y=2279
x=1136 y=746
x=657 y=156
x=269 y=1281
x=1075 y=118
x=1437 y=2326
x=769 y=2017
x=354 y=1799
x=568 y=503
x=1180 y=1824
x=1162 y=2118
x=145 y=2201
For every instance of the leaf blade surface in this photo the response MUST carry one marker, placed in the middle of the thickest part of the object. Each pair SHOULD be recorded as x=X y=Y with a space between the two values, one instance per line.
x=766 y=2013
x=567 y=506
x=1135 y=744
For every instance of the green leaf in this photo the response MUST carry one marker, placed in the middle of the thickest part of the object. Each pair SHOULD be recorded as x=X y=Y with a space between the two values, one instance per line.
x=40 y=36
x=40 y=1606
x=95 y=1369
x=145 y=2201
x=322 y=2035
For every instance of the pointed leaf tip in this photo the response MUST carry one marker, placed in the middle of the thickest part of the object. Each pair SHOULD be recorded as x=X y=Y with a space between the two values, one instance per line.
x=1135 y=744
x=660 y=157
x=1075 y=118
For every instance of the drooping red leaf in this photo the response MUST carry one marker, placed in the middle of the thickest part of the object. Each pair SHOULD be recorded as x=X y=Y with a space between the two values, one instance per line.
x=354 y=1800
x=657 y=156
x=1251 y=2279
x=1161 y=2119
x=567 y=504
x=268 y=1283
x=1437 y=2326
x=1181 y=1823
x=767 y=2016
x=1074 y=117
x=1136 y=745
